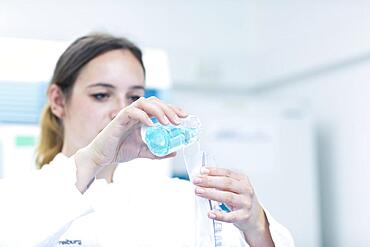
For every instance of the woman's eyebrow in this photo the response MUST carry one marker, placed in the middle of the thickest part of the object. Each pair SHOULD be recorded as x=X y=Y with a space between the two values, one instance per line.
x=137 y=87
x=101 y=84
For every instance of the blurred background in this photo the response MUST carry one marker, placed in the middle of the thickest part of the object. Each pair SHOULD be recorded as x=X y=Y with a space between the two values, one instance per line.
x=282 y=89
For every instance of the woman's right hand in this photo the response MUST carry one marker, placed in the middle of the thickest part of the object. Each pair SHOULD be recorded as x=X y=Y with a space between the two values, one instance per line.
x=120 y=141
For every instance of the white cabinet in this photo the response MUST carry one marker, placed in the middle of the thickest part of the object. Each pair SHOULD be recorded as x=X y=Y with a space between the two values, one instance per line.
x=17 y=149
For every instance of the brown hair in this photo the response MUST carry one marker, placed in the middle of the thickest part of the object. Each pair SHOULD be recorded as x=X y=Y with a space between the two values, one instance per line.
x=66 y=71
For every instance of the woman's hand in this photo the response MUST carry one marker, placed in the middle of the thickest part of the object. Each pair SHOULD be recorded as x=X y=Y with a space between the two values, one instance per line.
x=235 y=190
x=120 y=141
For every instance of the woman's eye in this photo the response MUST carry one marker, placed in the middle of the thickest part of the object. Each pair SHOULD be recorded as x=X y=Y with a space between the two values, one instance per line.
x=134 y=98
x=100 y=96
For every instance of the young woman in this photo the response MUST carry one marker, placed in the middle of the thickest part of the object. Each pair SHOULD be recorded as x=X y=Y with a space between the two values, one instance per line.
x=95 y=78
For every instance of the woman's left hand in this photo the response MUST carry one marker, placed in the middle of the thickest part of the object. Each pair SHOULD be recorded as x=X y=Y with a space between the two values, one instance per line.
x=235 y=190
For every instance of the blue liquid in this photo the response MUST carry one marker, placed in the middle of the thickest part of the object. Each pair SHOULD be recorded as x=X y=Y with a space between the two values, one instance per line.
x=162 y=140
x=224 y=208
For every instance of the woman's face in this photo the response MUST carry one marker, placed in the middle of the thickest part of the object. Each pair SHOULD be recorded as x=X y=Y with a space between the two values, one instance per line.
x=105 y=85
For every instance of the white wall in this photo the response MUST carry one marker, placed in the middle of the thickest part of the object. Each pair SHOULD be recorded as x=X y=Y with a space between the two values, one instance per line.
x=177 y=26
x=340 y=103
x=210 y=43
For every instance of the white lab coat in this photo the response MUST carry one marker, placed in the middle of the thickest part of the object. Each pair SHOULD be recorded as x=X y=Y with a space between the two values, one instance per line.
x=137 y=210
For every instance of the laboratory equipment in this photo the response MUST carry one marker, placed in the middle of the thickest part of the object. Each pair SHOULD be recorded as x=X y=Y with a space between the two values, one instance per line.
x=204 y=227
x=165 y=139
x=217 y=226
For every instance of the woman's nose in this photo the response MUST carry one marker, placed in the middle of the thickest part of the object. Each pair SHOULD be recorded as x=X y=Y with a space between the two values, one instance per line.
x=120 y=104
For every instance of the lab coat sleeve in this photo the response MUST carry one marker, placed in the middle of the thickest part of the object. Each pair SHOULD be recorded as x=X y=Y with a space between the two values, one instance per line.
x=35 y=210
x=232 y=237
x=280 y=235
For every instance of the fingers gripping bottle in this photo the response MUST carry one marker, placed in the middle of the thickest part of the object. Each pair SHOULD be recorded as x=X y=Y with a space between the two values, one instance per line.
x=165 y=139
